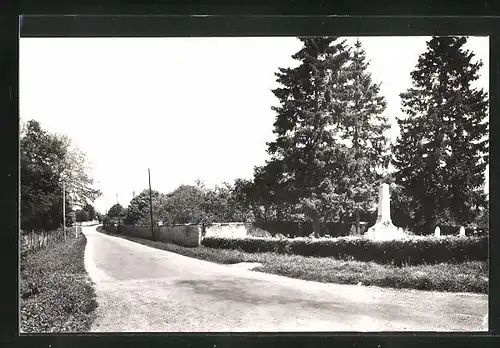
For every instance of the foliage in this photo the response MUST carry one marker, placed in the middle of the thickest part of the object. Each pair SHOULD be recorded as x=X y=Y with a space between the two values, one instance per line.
x=330 y=138
x=411 y=251
x=116 y=211
x=46 y=160
x=183 y=205
x=99 y=217
x=138 y=211
x=81 y=215
x=442 y=152
x=224 y=204
x=74 y=169
x=482 y=222
x=56 y=295
x=41 y=193
x=190 y=204
x=364 y=128
x=90 y=210
x=303 y=148
x=87 y=213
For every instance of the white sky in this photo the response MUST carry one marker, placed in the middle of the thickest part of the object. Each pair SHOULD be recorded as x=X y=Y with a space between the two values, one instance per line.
x=187 y=108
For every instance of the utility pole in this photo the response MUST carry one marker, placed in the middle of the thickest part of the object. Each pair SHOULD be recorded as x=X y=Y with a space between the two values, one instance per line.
x=151 y=205
x=64 y=210
x=119 y=212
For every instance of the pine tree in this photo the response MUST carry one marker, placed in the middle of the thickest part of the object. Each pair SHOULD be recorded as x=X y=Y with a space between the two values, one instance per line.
x=364 y=127
x=328 y=107
x=441 y=154
x=303 y=144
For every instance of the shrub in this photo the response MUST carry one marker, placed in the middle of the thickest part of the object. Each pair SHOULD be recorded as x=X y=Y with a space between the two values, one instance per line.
x=410 y=251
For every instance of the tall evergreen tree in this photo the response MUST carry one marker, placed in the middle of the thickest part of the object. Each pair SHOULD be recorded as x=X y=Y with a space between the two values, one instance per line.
x=303 y=145
x=441 y=154
x=364 y=127
x=329 y=106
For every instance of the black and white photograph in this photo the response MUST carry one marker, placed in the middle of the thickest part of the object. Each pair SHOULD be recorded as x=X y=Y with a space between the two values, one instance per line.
x=254 y=184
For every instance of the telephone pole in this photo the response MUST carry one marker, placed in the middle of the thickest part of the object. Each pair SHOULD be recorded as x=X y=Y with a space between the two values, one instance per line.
x=151 y=205
x=119 y=212
x=64 y=210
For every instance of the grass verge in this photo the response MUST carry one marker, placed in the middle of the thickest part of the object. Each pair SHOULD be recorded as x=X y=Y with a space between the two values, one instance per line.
x=470 y=276
x=56 y=293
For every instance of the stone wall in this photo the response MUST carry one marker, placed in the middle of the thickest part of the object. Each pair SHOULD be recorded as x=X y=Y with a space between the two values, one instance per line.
x=235 y=230
x=186 y=235
x=136 y=231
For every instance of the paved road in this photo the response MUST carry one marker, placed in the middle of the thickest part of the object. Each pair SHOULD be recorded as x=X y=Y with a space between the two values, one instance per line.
x=141 y=289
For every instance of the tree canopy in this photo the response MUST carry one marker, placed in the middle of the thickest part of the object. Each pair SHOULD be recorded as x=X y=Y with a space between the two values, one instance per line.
x=44 y=159
x=116 y=211
x=138 y=212
x=330 y=141
x=441 y=154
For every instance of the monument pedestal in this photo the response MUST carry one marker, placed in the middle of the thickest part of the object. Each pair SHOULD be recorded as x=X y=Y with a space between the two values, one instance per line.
x=384 y=231
x=383 y=228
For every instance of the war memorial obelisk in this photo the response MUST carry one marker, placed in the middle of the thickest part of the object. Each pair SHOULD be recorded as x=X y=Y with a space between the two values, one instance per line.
x=384 y=228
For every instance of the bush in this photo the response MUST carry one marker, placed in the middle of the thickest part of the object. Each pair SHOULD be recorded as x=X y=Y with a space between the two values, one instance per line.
x=410 y=251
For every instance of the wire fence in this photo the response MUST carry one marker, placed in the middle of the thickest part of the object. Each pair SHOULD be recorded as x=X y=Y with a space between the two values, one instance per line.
x=38 y=240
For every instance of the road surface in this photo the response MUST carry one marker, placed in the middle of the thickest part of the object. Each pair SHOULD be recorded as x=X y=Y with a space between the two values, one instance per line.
x=142 y=289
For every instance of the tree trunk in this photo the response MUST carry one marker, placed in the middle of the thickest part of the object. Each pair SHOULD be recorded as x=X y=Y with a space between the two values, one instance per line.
x=357 y=222
x=316 y=226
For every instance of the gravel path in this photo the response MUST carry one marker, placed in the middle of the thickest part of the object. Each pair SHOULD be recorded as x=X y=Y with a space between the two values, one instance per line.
x=142 y=289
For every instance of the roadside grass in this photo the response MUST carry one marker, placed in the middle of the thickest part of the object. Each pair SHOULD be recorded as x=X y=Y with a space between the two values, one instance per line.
x=471 y=276
x=56 y=294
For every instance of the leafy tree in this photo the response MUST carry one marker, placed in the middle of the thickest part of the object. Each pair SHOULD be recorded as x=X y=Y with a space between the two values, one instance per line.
x=47 y=161
x=116 y=211
x=81 y=215
x=99 y=217
x=269 y=196
x=91 y=213
x=441 y=154
x=73 y=170
x=41 y=194
x=87 y=213
x=183 y=205
x=138 y=212
x=245 y=192
x=221 y=204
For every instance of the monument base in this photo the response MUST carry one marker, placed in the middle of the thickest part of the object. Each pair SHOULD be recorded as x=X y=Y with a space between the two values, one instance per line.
x=384 y=231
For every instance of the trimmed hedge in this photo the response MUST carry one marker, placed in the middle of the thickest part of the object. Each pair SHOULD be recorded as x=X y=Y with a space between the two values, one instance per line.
x=410 y=251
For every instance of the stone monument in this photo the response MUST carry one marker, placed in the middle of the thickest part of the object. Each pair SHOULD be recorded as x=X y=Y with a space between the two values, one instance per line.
x=437 y=231
x=461 y=232
x=383 y=228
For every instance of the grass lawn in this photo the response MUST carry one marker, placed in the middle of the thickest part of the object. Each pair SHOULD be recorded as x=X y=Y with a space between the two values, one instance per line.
x=56 y=293
x=462 y=277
